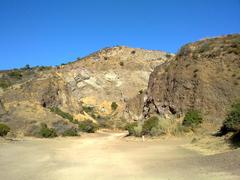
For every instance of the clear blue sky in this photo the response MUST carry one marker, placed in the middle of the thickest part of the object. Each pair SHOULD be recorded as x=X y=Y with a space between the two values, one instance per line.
x=51 y=32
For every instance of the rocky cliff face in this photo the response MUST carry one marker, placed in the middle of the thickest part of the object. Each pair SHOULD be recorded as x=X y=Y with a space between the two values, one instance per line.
x=111 y=75
x=205 y=75
x=96 y=81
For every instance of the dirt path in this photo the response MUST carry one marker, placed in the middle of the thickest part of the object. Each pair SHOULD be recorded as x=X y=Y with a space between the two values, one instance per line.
x=108 y=156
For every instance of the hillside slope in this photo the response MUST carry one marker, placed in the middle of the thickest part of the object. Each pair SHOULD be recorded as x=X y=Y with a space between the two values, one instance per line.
x=85 y=88
x=205 y=76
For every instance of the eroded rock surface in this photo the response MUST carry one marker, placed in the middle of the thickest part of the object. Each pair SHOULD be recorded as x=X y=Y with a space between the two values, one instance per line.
x=205 y=76
x=110 y=75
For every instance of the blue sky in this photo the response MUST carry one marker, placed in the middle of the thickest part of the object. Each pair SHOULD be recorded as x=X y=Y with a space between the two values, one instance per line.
x=51 y=32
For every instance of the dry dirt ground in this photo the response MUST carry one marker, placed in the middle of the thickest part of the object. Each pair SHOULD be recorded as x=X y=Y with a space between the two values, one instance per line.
x=108 y=156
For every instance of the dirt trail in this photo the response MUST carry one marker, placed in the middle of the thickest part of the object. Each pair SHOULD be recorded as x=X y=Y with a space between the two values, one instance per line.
x=108 y=156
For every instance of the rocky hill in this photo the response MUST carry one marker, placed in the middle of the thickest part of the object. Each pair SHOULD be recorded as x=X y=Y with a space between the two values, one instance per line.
x=120 y=84
x=87 y=88
x=205 y=76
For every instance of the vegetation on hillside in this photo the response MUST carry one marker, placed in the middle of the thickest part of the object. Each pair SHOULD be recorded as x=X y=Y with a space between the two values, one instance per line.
x=4 y=129
x=10 y=77
x=70 y=132
x=47 y=132
x=155 y=126
x=88 y=109
x=231 y=124
x=149 y=124
x=232 y=121
x=63 y=114
x=130 y=128
x=192 y=118
x=88 y=126
x=213 y=47
x=84 y=126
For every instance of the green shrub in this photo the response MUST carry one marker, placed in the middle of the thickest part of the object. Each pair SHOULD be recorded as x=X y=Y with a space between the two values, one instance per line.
x=138 y=130
x=168 y=127
x=88 y=126
x=130 y=128
x=155 y=126
x=155 y=131
x=63 y=114
x=4 y=83
x=4 y=129
x=114 y=106
x=150 y=127
x=232 y=121
x=150 y=123
x=163 y=127
x=15 y=74
x=88 y=109
x=192 y=118
x=47 y=132
x=70 y=132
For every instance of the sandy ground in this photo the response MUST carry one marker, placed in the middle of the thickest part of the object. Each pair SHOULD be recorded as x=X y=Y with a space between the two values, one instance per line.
x=108 y=156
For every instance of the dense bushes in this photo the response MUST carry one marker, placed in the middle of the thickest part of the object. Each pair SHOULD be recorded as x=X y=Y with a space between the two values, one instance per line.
x=232 y=124
x=130 y=128
x=155 y=126
x=4 y=129
x=47 y=132
x=148 y=127
x=70 y=132
x=15 y=74
x=232 y=121
x=149 y=124
x=192 y=119
x=87 y=126
x=84 y=126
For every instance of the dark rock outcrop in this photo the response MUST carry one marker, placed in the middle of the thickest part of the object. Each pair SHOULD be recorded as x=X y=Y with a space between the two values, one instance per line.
x=205 y=76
